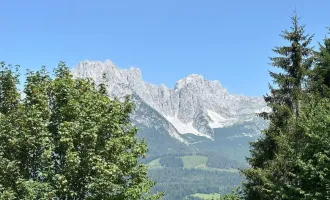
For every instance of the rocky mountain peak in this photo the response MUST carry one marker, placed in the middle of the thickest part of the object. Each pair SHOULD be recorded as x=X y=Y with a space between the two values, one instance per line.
x=96 y=69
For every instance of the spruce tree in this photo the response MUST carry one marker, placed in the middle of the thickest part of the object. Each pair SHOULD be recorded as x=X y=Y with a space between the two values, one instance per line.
x=294 y=62
x=319 y=82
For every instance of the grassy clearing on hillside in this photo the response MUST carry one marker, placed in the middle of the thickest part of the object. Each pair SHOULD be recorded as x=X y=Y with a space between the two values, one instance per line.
x=204 y=167
x=206 y=196
x=194 y=161
x=154 y=164
x=189 y=162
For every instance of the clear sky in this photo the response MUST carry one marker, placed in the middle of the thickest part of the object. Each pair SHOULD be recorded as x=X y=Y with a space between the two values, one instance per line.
x=229 y=41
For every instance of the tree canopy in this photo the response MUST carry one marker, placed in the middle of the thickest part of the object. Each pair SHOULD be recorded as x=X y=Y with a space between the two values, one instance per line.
x=67 y=140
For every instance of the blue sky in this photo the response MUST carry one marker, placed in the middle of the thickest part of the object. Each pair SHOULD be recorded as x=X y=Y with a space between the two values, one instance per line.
x=229 y=41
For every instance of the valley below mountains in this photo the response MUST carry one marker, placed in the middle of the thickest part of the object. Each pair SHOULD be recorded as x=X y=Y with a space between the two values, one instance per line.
x=198 y=133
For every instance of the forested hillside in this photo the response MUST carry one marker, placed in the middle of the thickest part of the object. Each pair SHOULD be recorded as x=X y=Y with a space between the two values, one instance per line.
x=196 y=171
x=181 y=176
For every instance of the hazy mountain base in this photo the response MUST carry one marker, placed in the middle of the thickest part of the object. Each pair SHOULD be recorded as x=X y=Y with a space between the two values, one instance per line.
x=208 y=166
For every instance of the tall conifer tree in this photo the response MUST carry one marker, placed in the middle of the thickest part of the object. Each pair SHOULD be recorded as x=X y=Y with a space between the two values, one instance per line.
x=294 y=62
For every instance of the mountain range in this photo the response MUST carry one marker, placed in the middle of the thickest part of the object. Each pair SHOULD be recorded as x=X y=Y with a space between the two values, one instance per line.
x=195 y=105
x=196 y=125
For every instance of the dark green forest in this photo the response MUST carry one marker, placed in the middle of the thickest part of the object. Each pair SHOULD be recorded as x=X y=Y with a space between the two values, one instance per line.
x=179 y=177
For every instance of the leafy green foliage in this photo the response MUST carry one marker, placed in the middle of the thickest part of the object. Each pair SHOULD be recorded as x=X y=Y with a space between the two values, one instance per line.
x=300 y=167
x=67 y=140
x=302 y=164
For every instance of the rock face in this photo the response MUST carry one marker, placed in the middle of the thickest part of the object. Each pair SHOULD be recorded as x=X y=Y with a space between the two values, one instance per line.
x=195 y=105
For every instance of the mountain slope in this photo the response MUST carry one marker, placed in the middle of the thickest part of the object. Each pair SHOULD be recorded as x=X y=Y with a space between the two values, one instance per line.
x=161 y=136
